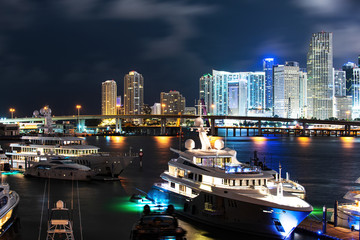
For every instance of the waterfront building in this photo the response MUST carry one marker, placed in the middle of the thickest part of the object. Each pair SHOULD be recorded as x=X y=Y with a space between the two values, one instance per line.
x=268 y=64
x=348 y=68
x=172 y=103
x=287 y=90
x=303 y=92
x=190 y=111
x=343 y=106
x=156 y=109
x=108 y=97
x=205 y=93
x=339 y=83
x=133 y=93
x=320 y=76
x=356 y=93
x=229 y=95
x=256 y=91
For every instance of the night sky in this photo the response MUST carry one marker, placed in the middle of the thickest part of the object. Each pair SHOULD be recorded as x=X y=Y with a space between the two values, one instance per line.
x=58 y=52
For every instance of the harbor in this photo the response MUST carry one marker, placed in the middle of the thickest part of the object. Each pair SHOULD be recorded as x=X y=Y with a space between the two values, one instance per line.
x=303 y=158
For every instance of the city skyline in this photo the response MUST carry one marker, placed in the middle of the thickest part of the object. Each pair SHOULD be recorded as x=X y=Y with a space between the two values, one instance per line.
x=67 y=49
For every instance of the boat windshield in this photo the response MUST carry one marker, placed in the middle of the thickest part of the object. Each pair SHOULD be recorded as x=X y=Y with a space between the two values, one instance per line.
x=241 y=169
x=158 y=220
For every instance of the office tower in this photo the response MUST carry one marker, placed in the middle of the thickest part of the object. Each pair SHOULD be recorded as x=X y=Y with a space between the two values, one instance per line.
x=268 y=64
x=343 y=106
x=356 y=93
x=287 y=90
x=205 y=94
x=339 y=83
x=108 y=97
x=348 y=68
x=256 y=90
x=172 y=103
x=303 y=92
x=133 y=93
x=229 y=95
x=359 y=60
x=320 y=76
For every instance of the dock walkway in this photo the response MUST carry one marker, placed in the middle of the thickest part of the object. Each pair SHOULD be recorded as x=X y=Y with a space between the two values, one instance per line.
x=314 y=226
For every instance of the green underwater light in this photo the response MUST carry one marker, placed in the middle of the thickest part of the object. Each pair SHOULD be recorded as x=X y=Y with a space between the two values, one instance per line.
x=11 y=173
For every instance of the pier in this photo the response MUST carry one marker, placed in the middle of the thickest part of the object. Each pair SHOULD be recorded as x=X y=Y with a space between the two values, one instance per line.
x=315 y=227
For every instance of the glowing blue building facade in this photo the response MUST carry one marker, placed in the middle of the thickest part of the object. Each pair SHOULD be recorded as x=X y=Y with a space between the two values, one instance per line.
x=268 y=64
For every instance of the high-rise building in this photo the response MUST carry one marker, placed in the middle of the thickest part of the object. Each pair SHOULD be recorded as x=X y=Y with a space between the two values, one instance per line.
x=229 y=95
x=256 y=90
x=133 y=93
x=108 y=97
x=303 y=92
x=348 y=68
x=205 y=94
x=172 y=103
x=339 y=83
x=268 y=64
x=287 y=90
x=356 y=93
x=359 y=60
x=343 y=105
x=320 y=76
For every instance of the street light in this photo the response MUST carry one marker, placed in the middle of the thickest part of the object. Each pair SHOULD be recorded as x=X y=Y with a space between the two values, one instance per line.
x=78 y=107
x=213 y=108
x=12 y=110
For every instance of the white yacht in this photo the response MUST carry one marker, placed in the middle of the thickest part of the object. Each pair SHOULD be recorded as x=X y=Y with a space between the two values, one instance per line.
x=211 y=186
x=60 y=169
x=9 y=201
x=348 y=214
x=33 y=149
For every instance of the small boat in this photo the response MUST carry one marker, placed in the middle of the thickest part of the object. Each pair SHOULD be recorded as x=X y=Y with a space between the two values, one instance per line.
x=60 y=169
x=60 y=224
x=9 y=201
x=157 y=225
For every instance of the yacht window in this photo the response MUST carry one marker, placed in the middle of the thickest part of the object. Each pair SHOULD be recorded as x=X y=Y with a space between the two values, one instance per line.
x=198 y=161
x=278 y=225
x=259 y=182
x=172 y=185
x=240 y=182
x=190 y=175
x=182 y=188
x=247 y=182
x=233 y=182
x=200 y=178
x=254 y=182
x=181 y=173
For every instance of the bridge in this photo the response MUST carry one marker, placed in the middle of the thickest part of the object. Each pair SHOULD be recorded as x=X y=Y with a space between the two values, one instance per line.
x=163 y=120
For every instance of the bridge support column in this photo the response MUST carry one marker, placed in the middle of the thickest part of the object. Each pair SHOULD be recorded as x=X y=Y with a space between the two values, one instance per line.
x=347 y=130
x=212 y=128
x=163 y=126
x=118 y=128
x=81 y=125
x=259 y=128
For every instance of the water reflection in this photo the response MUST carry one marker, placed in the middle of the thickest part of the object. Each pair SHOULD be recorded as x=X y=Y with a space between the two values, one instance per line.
x=259 y=140
x=347 y=142
x=304 y=141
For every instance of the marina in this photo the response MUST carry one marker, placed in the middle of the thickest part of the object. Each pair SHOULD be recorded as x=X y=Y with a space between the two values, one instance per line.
x=304 y=158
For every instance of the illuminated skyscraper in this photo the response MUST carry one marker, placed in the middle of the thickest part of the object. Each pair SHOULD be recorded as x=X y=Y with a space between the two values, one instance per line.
x=348 y=69
x=356 y=93
x=108 y=97
x=229 y=95
x=256 y=90
x=205 y=94
x=268 y=64
x=339 y=83
x=303 y=92
x=320 y=76
x=172 y=103
x=133 y=93
x=287 y=90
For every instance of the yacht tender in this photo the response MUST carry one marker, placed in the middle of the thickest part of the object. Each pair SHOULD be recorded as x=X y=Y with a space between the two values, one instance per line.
x=210 y=186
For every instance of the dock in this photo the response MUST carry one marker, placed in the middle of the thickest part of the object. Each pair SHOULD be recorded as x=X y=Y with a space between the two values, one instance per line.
x=315 y=227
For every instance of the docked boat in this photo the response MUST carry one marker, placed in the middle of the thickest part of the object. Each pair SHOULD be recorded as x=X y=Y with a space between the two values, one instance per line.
x=9 y=201
x=60 y=169
x=157 y=225
x=33 y=149
x=60 y=223
x=348 y=214
x=211 y=186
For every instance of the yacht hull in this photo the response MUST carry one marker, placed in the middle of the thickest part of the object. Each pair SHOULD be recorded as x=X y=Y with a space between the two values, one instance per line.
x=59 y=174
x=8 y=214
x=232 y=214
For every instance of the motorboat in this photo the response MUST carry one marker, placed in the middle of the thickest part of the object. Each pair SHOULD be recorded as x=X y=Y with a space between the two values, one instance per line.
x=60 y=169
x=33 y=149
x=60 y=223
x=348 y=214
x=9 y=201
x=211 y=186
x=157 y=225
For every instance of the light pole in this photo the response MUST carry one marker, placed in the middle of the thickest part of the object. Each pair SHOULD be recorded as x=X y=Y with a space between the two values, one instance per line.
x=78 y=107
x=12 y=110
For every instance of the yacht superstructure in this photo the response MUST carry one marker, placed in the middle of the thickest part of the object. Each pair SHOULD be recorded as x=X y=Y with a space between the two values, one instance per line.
x=209 y=185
